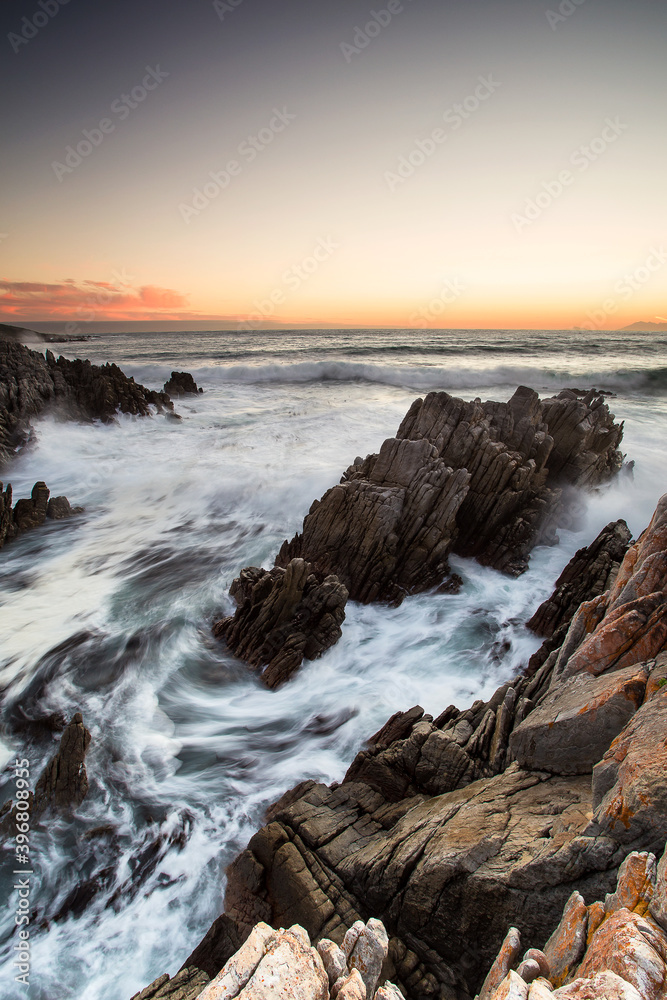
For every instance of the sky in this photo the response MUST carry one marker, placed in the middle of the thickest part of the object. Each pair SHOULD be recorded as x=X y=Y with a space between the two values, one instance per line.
x=334 y=163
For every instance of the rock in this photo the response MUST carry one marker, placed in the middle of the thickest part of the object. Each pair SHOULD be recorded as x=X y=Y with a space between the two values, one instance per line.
x=350 y=987
x=632 y=618
x=658 y=906
x=181 y=384
x=60 y=508
x=535 y=955
x=216 y=948
x=389 y=992
x=605 y=986
x=31 y=384
x=63 y=784
x=629 y=790
x=333 y=959
x=575 y=724
x=634 y=949
x=529 y=970
x=461 y=477
x=587 y=575
x=635 y=884
x=186 y=985
x=284 y=617
x=540 y=989
x=368 y=954
x=505 y=959
x=289 y=970
x=32 y=513
x=566 y=946
x=237 y=972
x=511 y=988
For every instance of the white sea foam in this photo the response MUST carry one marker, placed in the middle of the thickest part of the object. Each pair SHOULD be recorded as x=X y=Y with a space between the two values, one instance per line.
x=110 y=615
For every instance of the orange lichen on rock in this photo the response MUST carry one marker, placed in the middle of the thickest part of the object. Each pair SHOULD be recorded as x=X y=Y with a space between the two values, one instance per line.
x=566 y=945
x=652 y=542
x=632 y=947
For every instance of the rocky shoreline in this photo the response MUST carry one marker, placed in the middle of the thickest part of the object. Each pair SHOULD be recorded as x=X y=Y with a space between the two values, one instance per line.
x=524 y=812
x=32 y=384
x=537 y=816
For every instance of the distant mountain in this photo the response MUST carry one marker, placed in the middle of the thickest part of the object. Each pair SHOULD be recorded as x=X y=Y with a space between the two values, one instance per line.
x=643 y=327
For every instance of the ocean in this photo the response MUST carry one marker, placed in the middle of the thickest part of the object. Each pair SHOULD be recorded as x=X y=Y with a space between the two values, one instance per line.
x=110 y=614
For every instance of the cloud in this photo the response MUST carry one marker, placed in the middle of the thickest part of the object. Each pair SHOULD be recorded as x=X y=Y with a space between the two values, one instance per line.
x=87 y=300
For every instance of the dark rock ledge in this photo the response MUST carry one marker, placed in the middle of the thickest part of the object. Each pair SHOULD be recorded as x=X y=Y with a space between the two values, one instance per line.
x=487 y=480
x=523 y=812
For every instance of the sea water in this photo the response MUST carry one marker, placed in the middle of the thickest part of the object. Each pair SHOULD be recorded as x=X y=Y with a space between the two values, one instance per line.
x=110 y=614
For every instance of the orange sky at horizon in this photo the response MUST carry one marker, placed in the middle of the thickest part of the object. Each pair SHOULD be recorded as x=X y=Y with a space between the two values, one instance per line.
x=474 y=167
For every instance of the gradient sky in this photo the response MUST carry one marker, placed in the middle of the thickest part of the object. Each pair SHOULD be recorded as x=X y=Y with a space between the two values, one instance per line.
x=320 y=226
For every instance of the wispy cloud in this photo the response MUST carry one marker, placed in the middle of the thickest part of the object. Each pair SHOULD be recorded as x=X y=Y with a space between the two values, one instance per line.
x=70 y=298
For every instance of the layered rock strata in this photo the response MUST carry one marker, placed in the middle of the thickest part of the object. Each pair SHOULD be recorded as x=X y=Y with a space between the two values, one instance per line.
x=482 y=480
x=284 y=616
x=28 y=514
x=32 y=384
x=450 y=830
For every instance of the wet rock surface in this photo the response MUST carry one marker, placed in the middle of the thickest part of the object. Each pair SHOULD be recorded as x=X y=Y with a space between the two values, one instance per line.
x=284 y=616
x=32 y=384
x=181 y=384
x=31 y=513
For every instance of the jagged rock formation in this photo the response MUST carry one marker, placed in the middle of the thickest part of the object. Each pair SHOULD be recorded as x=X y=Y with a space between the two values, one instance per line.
x=589 y=573
x=31 y=384
x=181 y=384
x=482 y=480
x=62 y=785
x=471 y=478
x=450 y=830
x=32 y=513
x=282 y=965
x=284 y=616
x=611 y=950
